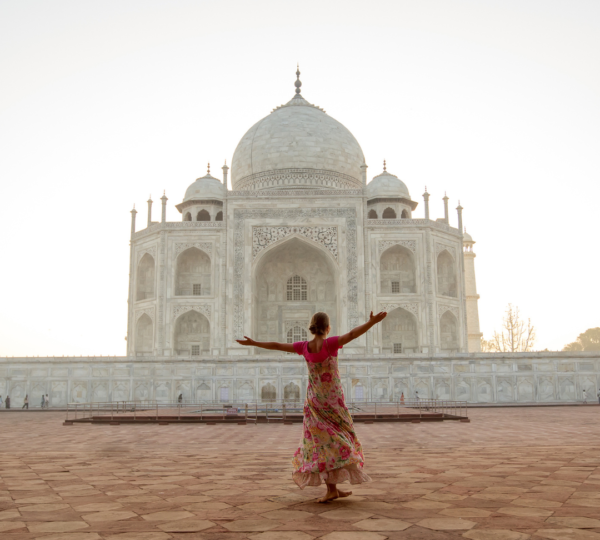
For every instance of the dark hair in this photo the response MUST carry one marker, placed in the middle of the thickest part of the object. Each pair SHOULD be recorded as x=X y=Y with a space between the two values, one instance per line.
x=319 y=323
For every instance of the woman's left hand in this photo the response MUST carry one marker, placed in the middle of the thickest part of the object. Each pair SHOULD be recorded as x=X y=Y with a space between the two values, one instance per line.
x=374 y=319
x=248 y=342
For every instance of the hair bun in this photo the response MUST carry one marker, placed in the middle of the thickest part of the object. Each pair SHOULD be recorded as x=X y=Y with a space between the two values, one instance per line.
x=319 y=323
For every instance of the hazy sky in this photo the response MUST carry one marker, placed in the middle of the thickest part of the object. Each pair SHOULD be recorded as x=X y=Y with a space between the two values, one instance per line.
x=105 y=102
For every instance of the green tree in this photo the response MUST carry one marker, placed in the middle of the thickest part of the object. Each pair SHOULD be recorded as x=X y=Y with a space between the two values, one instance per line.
x=588 y=341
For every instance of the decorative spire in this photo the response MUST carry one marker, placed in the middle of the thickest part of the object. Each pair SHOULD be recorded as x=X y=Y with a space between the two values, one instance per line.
x=384 y=167
x=425 y=189
x=208 y=169
x=298 y=83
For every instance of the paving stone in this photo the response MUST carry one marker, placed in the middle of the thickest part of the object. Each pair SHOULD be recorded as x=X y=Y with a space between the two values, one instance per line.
x=575 y=522
x=251 y=525
x=168 y=515
x=346 y=514
x=446 y=524
x=187 y=525
x=495 y=534
x=57 y=526
x=383 y=524
x=567 y=534
x=282 y=535
x=348 y=535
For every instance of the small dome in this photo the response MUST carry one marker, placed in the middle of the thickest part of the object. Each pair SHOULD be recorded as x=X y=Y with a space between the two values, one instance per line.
x=207 y=187
x=386 y=185
x=467 y=238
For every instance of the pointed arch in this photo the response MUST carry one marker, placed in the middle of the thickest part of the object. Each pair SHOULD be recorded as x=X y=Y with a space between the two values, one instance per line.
x=404 y=214
x=314 y=281
x=203 y=215
x=145 y=278
x=449 y=340
x=191 y=334
x=193 y=273
x=446 y=274
x=187 y=217
x=389 y=213
x=291 y=392
x=372 y=214
x=397 y=269
x=268 y=392
x=400 y=332
x=219 y=216
x=144 y=331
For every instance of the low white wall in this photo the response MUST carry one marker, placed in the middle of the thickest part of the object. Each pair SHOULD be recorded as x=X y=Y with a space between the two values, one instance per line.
x=477 y=378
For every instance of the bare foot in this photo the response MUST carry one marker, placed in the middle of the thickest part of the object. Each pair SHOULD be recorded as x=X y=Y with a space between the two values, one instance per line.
x=335 y=494
x=329 y=496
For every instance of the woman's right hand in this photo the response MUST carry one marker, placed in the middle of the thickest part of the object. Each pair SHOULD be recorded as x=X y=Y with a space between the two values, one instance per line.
x=248 y=342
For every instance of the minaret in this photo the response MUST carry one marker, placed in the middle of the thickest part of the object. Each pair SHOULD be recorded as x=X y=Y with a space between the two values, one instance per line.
x=225 y=171
x=149 y=210
x=363 y=173
x=130 y=298
x=426 y=199
x=445 y=198
x=473 y=333
x=164 y=200
x=459 y=210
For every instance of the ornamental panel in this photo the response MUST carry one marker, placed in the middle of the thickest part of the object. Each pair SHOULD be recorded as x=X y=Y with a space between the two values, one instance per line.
x=207 y=247
x=409 y=244
x=262 y=237
x=204 y=309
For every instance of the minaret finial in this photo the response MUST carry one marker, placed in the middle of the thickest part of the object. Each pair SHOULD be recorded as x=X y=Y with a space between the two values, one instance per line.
x=384 y=167
x=208 y=169
x=425 y=189
x=298 y=84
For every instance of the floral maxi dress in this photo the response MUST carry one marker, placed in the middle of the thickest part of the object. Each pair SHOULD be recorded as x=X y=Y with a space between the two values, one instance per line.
x=329 y=450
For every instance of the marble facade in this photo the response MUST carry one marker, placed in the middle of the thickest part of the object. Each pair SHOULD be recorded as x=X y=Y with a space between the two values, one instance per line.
x=475 y=378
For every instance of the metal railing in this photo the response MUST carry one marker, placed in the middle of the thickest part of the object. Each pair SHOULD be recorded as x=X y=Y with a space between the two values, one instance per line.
x=259 y=411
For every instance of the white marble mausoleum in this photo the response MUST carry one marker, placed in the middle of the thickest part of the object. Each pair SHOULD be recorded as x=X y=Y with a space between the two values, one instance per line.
x=303 y=229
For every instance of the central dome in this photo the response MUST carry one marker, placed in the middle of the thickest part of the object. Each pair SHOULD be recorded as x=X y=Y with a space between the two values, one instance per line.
x=297 y=146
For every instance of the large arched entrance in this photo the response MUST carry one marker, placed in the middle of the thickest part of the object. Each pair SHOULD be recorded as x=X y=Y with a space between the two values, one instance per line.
x=292 y=281
x=145 y=278
x=400 y=335
x=143 y=336
x=192 y=334
x=193 y=273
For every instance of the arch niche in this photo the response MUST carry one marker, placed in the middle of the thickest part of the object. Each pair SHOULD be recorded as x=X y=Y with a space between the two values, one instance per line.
x=389 y=213
x=192 y=274
x=446 y=274
x=372 y=214
x=192 y=334
x=400 y=334
x=143 y=336
x=397 y=271
x=273 y=308
x=145 y=278
x=203 y=215
x=449 y=333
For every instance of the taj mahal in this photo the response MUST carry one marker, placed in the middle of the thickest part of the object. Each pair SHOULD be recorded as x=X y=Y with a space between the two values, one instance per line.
x=304 y=228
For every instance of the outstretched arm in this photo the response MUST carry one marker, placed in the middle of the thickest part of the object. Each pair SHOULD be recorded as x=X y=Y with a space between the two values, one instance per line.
x=360 y=330
x=270 y=345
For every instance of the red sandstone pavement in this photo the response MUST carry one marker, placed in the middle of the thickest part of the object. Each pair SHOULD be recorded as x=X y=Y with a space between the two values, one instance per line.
x=510 y=474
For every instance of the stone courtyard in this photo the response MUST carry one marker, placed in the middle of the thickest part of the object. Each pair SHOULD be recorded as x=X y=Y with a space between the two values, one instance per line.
x=510 y=474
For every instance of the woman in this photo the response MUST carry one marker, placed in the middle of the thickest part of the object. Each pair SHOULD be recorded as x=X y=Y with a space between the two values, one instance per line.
x=329 y=451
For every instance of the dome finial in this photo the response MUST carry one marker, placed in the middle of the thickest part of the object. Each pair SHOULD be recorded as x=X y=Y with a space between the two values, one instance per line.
x=298 y=84
x=384 y=167
x=208 y=169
